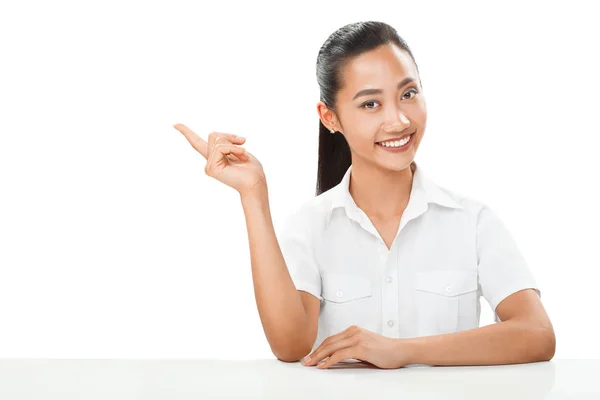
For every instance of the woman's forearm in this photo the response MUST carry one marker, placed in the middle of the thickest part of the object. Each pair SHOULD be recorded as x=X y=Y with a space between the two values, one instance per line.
x=280 y=307
x=506 y=342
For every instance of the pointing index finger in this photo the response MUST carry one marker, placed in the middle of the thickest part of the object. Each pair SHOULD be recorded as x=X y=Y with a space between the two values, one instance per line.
x=196 y=141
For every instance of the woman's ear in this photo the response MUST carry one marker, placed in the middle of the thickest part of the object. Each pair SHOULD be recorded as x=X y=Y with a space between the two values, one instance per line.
x=327 y=116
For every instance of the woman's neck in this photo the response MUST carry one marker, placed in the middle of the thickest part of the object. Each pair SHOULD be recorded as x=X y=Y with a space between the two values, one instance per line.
x=381 y=193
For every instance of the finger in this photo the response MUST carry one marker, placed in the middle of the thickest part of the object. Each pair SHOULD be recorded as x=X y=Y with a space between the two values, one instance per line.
x=196 y=141
x=344 y=354
x=238 y=157
x=349 y=332
x=220 y=152
x=230 y=136
x=225 y=149
x=220 y=137
x=330 y=349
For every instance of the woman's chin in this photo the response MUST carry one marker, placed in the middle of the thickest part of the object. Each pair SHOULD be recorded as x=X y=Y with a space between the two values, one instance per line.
x=397 y=165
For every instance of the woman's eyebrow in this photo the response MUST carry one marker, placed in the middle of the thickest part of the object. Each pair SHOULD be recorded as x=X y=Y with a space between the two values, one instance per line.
x=365 y=92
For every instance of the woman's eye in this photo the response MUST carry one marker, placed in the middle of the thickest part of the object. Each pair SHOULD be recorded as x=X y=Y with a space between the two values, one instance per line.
x=368 y=102
x=415 y=91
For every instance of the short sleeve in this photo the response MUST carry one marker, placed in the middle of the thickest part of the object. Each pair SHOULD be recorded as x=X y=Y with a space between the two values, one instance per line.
x=297 y=246
x=501 y=265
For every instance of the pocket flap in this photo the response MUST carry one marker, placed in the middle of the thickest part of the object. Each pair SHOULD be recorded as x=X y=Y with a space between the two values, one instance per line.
x=342 y=287
x=447 y=282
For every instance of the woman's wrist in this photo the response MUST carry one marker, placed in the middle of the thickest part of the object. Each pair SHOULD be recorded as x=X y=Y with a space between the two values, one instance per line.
x=406 y=351
x=258 y=190
x=258 y=193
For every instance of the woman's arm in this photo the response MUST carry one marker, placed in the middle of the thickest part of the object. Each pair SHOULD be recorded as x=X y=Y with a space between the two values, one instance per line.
x=524 y=335
x=289 y=329
x=289 y=318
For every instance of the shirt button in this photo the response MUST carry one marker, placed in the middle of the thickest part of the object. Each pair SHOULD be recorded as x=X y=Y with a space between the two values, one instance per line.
x=448 y=289
x=388 y=279
x=339 y=293
x=390 y=323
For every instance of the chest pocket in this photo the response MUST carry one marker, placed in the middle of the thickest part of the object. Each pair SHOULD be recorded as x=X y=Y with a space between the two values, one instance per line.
x=342 y=288
x=348 y=301
x=446 y=301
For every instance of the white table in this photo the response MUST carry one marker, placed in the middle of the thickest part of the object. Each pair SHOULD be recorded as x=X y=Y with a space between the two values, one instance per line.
x=273 y=379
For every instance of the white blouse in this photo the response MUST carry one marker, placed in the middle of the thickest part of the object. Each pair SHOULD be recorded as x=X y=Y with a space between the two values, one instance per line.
x=448 y=251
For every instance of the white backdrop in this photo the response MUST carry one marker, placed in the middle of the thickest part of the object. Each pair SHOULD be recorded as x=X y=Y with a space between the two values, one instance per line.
x=114 y=243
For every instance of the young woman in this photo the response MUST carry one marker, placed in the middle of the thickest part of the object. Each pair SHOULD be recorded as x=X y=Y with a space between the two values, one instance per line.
x=382 y=265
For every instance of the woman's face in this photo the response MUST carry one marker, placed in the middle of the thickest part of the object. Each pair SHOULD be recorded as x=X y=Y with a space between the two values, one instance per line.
x=392 y=107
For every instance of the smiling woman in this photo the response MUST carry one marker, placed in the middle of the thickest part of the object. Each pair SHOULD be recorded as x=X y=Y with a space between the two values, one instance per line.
x=391 y=265
x=372 y=110
x=382 y=265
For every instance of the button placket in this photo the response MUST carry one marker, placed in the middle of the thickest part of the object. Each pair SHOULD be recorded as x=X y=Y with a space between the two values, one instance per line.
x=389 y=291
x=382 y=255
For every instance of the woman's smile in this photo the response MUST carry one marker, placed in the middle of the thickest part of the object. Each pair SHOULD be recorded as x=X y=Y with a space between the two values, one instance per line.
x=398 y=145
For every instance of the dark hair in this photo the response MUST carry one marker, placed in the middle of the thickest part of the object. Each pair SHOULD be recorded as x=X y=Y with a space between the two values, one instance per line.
x=347 y=42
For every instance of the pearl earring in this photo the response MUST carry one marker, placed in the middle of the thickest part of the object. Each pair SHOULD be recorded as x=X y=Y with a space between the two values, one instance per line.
x=332 y=131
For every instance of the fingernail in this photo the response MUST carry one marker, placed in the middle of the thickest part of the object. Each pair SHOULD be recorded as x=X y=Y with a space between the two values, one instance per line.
x=240 y=137
x=306 y=360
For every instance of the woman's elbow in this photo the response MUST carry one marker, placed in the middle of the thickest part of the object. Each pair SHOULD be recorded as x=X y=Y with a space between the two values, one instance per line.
x=546 y=340
x=291 y=355
x=291 y=351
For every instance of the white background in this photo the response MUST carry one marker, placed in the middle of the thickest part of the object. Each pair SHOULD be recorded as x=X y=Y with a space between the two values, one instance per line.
x=114 y=242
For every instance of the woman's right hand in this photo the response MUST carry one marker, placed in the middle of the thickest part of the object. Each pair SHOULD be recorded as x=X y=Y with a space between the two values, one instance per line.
x=226 y=160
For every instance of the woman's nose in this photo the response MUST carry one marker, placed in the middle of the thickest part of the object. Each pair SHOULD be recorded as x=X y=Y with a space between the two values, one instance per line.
x=396 y=123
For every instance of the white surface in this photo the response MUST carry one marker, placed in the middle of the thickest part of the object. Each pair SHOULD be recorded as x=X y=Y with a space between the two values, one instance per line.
x=273 y=379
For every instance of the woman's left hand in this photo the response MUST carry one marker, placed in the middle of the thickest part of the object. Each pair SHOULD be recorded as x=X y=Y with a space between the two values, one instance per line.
x=361 y=344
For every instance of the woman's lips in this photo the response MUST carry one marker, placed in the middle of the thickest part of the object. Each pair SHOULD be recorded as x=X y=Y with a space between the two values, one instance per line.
x=400 y=148
x=398 y=138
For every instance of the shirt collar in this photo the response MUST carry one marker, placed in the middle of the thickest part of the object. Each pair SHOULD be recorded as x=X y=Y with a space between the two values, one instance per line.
x=423 y=192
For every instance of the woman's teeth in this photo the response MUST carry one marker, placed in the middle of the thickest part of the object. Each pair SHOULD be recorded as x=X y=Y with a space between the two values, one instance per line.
x=397 y=143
